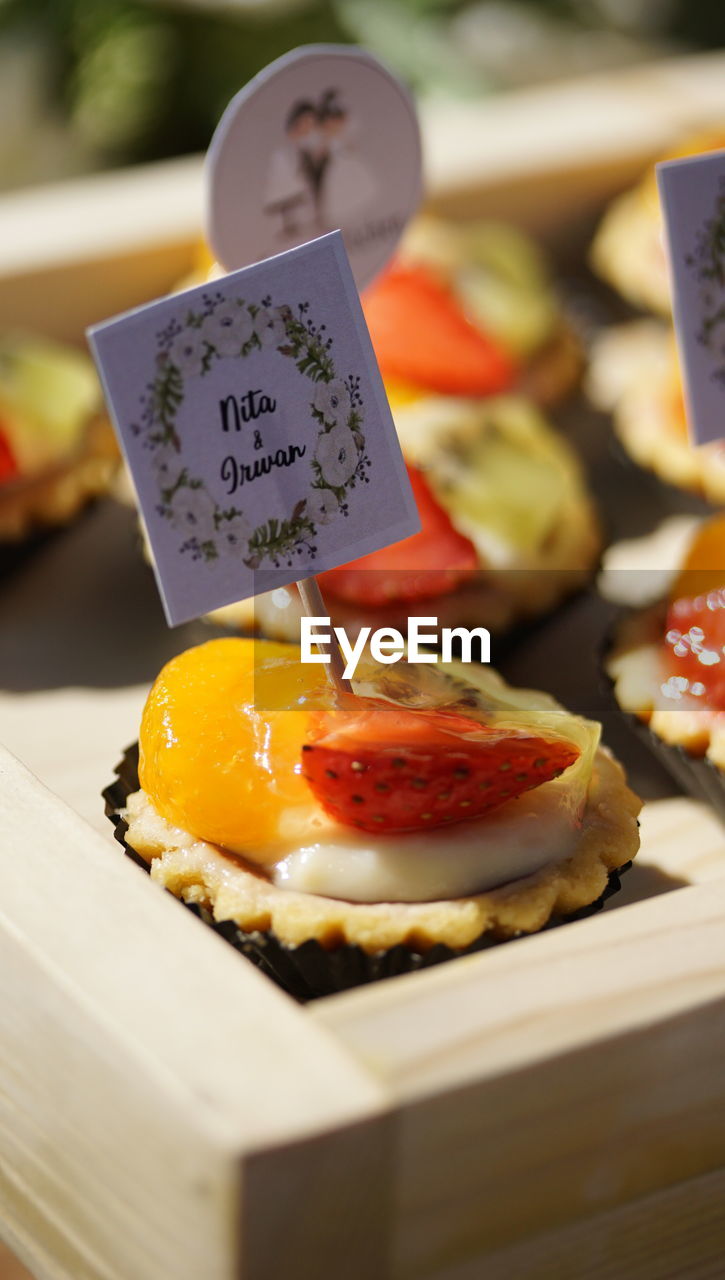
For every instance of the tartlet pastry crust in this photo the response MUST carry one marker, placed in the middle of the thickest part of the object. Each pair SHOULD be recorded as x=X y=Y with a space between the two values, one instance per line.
x=231 y=889
x=627 y=252
x=630 y=377
x=55 y=496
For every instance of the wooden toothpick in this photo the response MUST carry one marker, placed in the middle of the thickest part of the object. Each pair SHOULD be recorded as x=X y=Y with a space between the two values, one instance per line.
x=315 y=607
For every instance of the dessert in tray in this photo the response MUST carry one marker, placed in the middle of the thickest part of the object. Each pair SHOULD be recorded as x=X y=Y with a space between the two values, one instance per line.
x=508 y=528
x=339 y=839
x=634 y=372
x=57 y=449
x=666 y=666
x=470 y=309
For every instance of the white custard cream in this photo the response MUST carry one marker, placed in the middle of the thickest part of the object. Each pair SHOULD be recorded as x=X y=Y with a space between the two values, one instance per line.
x=513 y=841
x=317 y=855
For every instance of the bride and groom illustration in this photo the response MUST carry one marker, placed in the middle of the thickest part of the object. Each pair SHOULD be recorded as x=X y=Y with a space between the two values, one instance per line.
x=317 y=178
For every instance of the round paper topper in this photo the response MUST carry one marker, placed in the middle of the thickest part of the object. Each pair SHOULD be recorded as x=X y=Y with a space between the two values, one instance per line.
x=325 y=138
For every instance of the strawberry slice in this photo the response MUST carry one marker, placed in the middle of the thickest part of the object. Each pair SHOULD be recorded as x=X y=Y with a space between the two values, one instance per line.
x=388 y=769
x=8 y=466
x=695 y=647
x=431 y=563
x=421 y=335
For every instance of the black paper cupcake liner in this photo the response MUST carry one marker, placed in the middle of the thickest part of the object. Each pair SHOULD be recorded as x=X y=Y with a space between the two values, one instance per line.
x=696 y=775
x=310 y=970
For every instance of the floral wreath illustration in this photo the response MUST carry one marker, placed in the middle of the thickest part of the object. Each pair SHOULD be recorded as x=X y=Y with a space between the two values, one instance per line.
x=234 y=328
x=707 y=260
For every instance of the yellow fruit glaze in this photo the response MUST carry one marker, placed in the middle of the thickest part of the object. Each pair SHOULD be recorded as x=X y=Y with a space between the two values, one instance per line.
x=675 y=406
x=220 y=741
x=696 y=144
x=204 y=261
x=703 y=569
x=401 y=394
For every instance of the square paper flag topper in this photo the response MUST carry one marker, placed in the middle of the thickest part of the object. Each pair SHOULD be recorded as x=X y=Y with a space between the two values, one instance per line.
x=254 y=421
x=692 y=192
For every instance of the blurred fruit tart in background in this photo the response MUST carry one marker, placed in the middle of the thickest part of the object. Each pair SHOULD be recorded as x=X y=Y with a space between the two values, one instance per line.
x=667 y=667
x=634 y=375
x=469 y=309
x=57 y=448
x=508 y=528
x=627 y=250
x=466 y=309
x=336 y=839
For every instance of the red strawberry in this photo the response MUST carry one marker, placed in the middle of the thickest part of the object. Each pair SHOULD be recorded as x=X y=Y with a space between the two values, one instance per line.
x=695 y=645
x=8 y=466
x=430 y=563
x=388 y=769
x=421 y=335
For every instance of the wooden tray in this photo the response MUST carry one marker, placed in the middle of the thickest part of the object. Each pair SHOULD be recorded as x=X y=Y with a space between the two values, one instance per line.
x=552 y=1108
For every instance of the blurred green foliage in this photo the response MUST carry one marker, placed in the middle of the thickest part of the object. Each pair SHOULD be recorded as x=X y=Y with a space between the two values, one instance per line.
x=132 y=80
x=140 y=80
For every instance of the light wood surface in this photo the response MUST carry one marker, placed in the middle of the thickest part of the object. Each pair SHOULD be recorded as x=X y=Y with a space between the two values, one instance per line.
x=527 y=1090
x=675 y=1234
x=10 y=1266
x=552 y=1082
x=498 y=1011
x=462 y=1054
x=76 y=766
x=141 y=1062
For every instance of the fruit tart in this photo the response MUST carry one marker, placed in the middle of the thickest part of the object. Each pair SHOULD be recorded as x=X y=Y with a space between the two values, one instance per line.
x=508 y=529
x=667 y=667
x=57 y=448
x=468 y=309
x=635 y=376
x=337 y=838
x=628 y=250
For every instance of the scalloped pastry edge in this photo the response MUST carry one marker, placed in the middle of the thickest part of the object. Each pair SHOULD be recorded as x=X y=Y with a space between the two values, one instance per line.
x=199 y=873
